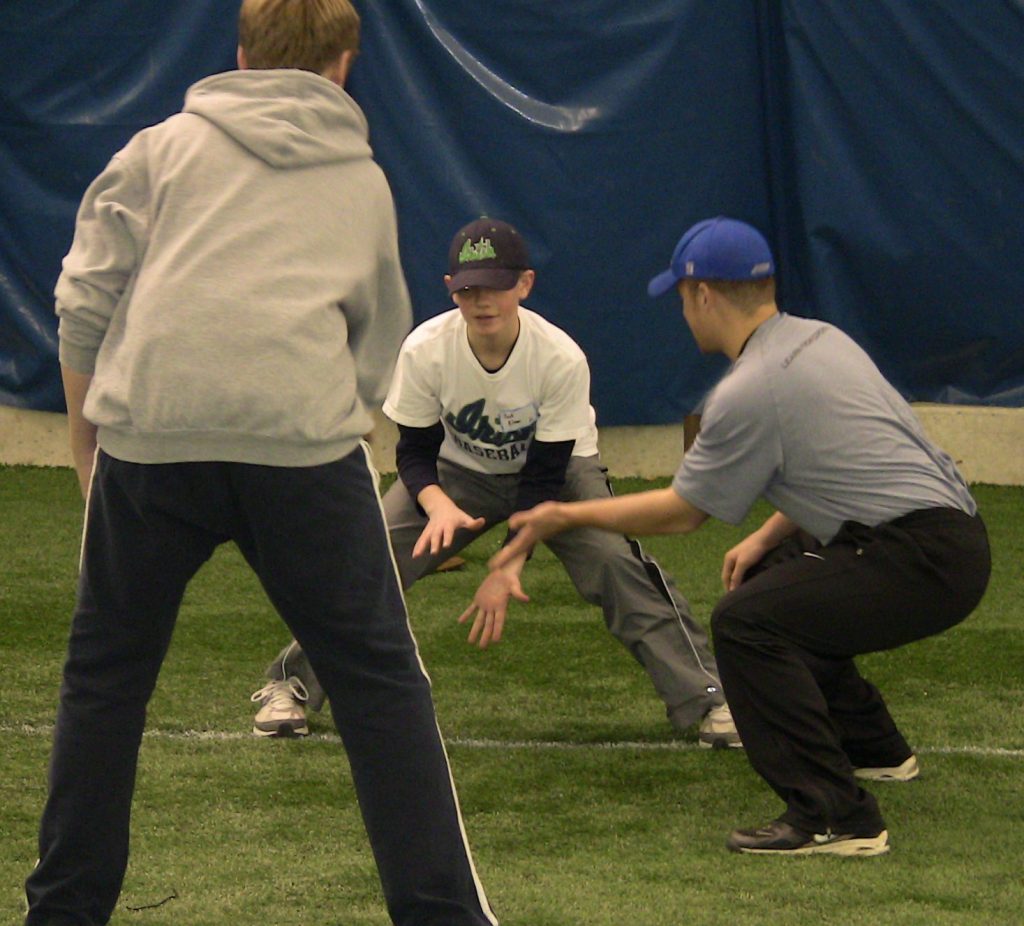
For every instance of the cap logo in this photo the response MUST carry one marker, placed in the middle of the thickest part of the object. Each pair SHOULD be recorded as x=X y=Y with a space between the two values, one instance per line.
x=481 y=250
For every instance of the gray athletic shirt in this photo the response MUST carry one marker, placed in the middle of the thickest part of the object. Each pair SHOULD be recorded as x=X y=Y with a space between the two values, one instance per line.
x=805 y=418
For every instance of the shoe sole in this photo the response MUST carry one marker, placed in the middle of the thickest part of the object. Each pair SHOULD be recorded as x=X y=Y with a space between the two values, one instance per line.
x=908 y=771
x=720 y=743
x=856 y=846
x=284 y=731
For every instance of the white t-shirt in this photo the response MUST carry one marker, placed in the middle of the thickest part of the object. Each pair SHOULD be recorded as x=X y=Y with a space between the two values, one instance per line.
x=490 y=419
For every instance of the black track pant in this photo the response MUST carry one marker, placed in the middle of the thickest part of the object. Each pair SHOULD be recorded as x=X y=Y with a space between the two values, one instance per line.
x=315 y=536
x=786 y=638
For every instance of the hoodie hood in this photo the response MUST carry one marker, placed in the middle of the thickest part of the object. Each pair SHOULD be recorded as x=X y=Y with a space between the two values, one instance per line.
x=288 y=118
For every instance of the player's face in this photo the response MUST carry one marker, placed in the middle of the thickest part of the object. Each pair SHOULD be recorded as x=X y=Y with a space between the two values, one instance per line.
x=493 y=313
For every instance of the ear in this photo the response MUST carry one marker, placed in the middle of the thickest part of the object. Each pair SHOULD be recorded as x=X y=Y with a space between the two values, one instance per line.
x=526 y=280
x=243 y=61
x=337 y=73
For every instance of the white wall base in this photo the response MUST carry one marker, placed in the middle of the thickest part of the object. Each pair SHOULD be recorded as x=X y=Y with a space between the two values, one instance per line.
x=987 y=443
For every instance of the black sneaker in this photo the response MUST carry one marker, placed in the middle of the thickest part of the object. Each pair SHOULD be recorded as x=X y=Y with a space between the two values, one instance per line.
x=781 y=838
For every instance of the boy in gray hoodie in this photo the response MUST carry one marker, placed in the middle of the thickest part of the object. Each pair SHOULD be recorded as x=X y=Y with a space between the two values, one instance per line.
x=231 y=306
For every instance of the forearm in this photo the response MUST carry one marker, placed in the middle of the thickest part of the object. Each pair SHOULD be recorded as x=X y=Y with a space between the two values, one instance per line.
x=658 y=511
x=514 y=567
x=81 y=432
x=431 y=497
x=416 y=457
x=776 y=529
x=543 y=474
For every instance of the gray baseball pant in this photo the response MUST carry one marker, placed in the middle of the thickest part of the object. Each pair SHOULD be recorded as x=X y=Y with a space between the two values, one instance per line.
x=642 y=607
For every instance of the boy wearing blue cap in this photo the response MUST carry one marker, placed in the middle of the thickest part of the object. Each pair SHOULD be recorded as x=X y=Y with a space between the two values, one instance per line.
x=876 y=541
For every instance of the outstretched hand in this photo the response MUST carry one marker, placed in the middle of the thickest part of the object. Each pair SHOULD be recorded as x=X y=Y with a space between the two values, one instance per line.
x=543 y=521
x=444 y=520
x=490 y=605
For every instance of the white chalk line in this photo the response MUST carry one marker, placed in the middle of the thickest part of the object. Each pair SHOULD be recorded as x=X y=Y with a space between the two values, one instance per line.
x=221 y=736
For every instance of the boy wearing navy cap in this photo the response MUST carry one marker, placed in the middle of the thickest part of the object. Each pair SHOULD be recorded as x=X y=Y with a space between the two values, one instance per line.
x=492 y=404
x=876 y=541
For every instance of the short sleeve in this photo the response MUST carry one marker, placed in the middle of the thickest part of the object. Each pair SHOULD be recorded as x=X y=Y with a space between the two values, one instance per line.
x=564 y=411
x=735 y=457
x=413 y=398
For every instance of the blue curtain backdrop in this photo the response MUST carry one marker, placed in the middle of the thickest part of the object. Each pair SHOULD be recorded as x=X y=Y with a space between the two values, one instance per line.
x=880 y=146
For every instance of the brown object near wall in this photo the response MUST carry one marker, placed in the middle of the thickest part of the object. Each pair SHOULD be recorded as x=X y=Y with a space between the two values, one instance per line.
x=691 y=428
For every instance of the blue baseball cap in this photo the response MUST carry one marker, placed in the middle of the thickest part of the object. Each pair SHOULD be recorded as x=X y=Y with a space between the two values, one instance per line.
x=716 y=249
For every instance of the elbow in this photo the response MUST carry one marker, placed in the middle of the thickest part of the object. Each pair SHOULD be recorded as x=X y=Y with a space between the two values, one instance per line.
x=690 y=523
x=686 y=518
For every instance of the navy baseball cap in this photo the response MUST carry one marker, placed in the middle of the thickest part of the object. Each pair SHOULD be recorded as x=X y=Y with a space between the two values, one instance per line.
x=716 y=249
x=487 y=252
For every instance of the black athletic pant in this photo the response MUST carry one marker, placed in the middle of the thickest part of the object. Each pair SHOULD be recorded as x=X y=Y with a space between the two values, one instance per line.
x=786 y=638
x=315 y=536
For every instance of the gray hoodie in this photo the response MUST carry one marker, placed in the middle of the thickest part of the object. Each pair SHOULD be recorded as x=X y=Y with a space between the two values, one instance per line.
x=234 y=284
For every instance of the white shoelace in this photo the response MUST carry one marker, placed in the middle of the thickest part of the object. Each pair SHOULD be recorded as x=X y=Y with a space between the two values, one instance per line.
x=280 y=693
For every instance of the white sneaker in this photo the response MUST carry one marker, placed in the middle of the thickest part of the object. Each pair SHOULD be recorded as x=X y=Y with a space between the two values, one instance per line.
x=906 y=771
x=282 y=713
x=718 y=730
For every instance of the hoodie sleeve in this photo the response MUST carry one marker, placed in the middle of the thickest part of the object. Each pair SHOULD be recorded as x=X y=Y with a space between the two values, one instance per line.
x=376 y=335
x=110 y=232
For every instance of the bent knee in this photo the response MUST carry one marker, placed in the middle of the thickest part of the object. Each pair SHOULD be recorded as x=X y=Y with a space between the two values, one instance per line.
x=735 y=618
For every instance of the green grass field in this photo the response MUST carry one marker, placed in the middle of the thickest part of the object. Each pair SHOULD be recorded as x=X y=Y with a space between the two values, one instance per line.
x=581 y=804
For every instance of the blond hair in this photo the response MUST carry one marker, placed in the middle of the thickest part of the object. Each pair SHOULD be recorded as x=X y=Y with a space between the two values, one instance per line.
x=306 y=34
